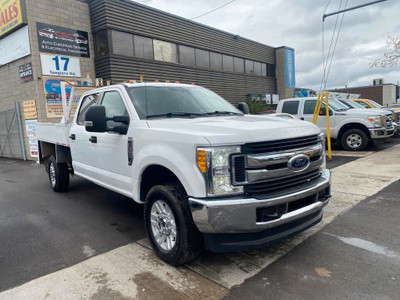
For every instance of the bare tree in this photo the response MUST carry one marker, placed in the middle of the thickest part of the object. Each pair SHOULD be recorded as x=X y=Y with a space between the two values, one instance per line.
x=392 y=56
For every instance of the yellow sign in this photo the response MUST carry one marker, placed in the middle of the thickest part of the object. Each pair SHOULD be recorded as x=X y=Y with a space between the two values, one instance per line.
x=30 y=109
x=11 y=16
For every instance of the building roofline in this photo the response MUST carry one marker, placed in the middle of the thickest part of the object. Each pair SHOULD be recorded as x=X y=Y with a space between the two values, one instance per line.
x=361 y=87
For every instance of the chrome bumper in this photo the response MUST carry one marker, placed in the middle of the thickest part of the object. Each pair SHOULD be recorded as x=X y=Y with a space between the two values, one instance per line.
x=381 y=133
x=238 y=215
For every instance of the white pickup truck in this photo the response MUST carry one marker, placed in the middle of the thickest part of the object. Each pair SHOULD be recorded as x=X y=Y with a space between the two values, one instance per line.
x=351 y=128
x=207 y=174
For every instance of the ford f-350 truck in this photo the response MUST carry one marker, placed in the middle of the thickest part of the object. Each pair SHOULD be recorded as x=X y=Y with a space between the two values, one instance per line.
x=207 y=174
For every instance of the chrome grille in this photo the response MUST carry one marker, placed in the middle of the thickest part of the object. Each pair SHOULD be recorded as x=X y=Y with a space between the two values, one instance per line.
x=280 y=145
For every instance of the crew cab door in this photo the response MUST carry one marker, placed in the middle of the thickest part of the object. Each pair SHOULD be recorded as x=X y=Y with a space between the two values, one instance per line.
x=307 y=112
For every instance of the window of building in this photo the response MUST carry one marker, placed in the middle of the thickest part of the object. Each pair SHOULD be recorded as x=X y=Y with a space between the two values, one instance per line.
x=215 y=61
x=186 y=56
x=249 y=66
x=257 y=68
x=87 y=102
x=291 y=107
x=101 y=43
x=114 y=107
x=263 y=70
x=202 y=58
x=271 y=70
x=143 y=47
x=238 y=65
x=165 y=51
x=227 y=63
x=122 y=43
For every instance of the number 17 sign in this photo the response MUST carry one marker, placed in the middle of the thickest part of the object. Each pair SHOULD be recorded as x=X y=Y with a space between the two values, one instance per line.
x=59 y=65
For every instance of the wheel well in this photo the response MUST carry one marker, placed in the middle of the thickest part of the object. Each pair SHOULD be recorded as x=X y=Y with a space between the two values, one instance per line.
x=353 y=126
x=155 y=175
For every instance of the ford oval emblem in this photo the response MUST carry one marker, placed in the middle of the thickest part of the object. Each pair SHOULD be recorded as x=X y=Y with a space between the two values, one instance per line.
x=298 y=162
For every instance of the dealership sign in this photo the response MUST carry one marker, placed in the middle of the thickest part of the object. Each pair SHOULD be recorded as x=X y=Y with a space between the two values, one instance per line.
x=11 y=16
x=58 y=65
x=61 y=40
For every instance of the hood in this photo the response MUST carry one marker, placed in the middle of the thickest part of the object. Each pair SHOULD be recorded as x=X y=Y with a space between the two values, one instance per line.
x=373 y=111
x=225 y=130
x=365 y=112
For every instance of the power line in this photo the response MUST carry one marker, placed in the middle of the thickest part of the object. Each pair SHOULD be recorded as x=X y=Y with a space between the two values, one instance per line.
x=213 y=10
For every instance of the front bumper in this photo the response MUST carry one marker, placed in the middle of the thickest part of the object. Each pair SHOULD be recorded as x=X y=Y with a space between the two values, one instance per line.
x=381 y=133
x=239 y=215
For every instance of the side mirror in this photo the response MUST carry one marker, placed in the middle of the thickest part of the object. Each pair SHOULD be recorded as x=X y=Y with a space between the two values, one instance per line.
x=123 y=129
x=243 y=107
x=121 y=119
x=95 y=119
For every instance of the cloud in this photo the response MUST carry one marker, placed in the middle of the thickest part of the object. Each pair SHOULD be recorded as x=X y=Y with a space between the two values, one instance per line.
x=298 y=24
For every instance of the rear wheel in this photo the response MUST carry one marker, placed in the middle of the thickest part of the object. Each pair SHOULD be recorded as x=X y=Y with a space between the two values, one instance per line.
x=169 y=225
x=354 y=140
x=58 y=175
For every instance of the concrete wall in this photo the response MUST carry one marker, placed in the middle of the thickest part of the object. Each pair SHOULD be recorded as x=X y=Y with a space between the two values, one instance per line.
x=389 y=95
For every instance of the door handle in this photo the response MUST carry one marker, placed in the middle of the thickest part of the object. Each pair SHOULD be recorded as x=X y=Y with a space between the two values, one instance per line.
x=72 y=136
x=302 y=118
x=93 y=139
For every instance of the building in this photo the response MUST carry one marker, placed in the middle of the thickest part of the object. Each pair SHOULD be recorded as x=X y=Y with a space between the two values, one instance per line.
x=385 y=94
x=46 y=42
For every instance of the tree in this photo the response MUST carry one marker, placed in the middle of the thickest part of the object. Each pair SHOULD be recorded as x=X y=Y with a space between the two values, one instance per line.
x=392 y=56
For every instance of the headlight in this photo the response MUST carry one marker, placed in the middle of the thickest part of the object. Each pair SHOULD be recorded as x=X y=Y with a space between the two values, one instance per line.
x=214 y=163
x=376 y=121
x=323 y=142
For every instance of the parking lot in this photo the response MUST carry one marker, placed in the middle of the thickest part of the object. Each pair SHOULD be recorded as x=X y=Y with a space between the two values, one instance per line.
x=90 y=242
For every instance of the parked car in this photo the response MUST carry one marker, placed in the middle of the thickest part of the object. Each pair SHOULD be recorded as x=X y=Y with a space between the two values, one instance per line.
x=350 y=128
x=395 y=107
x=207 y=174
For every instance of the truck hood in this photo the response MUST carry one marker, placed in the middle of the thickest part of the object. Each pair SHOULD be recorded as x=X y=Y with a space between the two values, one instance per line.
x=362 y=112
x=225 y=130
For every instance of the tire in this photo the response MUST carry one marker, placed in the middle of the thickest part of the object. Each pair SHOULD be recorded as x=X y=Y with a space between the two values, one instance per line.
x=354 y=140
x=58 y=175
x=179 y=240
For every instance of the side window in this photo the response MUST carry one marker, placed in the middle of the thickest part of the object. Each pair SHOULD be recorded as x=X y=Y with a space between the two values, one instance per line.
x=290 y=107
x=87 y=102
x=309 y=107
x=114 y=105
x=363 y=104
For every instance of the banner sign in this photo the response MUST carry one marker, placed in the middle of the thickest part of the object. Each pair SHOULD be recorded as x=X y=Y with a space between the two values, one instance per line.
x=61 y=40
x=52 y=91
x=55 y=65
x=290 y=76
x=25 y=73
x=30 y=127
x=14 y=46
x=29 y=109
x=11 y=16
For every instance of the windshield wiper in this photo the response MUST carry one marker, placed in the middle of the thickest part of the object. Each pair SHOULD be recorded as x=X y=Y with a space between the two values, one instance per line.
x=174 y=114
x=223 y=112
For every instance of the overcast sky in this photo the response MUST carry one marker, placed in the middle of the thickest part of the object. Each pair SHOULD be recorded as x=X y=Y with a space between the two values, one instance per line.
x=298 y=24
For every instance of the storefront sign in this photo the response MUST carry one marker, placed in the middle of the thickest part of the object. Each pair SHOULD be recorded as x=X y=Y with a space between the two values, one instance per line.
x=290 y=75
x=29 y=109
x=25 y=73
x=52 y=91
x=55 y=65
x=14 y=46
x=11 y=16
x=61 y=40
x=30 y=127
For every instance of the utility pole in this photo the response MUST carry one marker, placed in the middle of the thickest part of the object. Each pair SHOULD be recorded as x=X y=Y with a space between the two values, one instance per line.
x=351 y=8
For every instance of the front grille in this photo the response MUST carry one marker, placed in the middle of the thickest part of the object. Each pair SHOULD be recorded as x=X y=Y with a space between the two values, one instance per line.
x=280 y=145
x=240 y=172
x=280 y=183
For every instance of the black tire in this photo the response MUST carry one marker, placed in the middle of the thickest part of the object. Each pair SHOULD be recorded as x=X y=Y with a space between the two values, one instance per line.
x=58 y=175
x=354 y=140
x=188 y=242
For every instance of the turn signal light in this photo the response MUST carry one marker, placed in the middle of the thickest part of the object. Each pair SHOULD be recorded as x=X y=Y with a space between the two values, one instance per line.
x=201 y=160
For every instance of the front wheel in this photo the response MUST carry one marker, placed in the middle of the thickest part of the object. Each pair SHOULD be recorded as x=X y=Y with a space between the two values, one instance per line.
x=354 y=140
x=169 y=225
x=58 y=175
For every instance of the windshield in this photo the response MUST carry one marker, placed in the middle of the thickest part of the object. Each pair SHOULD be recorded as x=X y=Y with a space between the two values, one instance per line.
x=352 y=104
x=336 y=105
x=374 y=104
x=179 y=101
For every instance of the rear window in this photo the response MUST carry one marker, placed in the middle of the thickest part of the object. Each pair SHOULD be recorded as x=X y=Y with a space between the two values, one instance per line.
x=290 y=107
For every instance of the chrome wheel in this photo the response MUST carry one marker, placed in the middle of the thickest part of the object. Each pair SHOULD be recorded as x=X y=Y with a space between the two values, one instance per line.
x=354 y=140
x=52 y=172
x=163 y=225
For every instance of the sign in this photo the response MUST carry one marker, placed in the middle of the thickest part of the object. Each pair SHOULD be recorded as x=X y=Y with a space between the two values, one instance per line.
x=55 y=65
x=61 y=40
x=14 y=46
x=290 y=76
x=26 y=73
x=52 y=91
x=30 y=126
x=11 y=16
x=29 y=109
